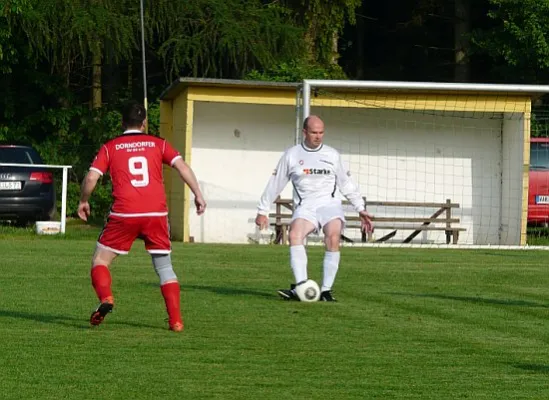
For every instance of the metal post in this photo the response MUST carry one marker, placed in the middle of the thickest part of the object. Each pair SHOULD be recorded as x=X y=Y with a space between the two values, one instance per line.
x=298 y=116
x=306 y=99
x=64 y=200
x=143 y=58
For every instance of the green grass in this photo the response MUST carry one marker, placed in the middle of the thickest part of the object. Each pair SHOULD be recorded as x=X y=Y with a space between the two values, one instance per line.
x=410 y=324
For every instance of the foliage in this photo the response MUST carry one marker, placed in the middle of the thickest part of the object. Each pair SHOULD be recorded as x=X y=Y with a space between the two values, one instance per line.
x=323 y=21
x=8 y=48
x=65 y=32
x=215 y=38
x=519 y=39
x=296 y=71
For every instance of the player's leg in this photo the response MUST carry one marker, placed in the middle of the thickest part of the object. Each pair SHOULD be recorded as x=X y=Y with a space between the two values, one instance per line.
x=102 y=283
x=302 y=225
x=116 y=238
x=332 y=221
x=299 y=229
x=156 y=235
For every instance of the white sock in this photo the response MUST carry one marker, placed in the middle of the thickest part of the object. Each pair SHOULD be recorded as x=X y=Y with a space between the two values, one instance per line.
x=298 y=261
x=331 y=265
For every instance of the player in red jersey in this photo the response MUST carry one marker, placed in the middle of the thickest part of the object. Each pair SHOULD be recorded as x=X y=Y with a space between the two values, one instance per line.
x=134 y=161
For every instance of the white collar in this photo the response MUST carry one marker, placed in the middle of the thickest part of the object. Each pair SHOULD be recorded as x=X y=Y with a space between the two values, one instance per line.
x=133 y=131
x=310 y=148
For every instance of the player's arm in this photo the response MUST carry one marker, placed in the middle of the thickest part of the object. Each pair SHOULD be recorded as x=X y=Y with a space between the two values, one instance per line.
x=350 y=190
x=86 y=190
x=172 y=157
x=188 y=176
x=278 y=180
x=99 y=165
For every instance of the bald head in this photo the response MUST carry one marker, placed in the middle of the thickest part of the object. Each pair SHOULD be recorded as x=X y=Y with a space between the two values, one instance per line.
x=313 y=131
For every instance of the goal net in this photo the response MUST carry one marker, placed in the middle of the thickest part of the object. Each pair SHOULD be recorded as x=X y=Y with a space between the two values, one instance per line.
x=438 y=163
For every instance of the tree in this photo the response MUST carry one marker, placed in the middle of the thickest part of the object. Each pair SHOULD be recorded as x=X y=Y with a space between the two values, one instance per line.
x=324 y=21
x=70 y=35
x=517 y=41
x=462 y=40
x=221 y=38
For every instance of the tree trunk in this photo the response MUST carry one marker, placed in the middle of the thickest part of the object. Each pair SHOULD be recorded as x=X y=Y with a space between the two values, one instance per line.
x=97 y=100
x=462 y=30
x=335 y=49
x=309 y=39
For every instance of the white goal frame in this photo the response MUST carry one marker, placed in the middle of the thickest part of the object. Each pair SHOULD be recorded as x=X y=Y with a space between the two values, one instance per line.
x=63 y=190
x=306 y=90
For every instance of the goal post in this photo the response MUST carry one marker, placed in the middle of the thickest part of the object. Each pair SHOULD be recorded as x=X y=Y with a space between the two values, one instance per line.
x=65 y=169
x=411 y=145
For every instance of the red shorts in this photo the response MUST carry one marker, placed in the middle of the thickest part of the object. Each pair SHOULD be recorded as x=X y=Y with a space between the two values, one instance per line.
x=119 y=233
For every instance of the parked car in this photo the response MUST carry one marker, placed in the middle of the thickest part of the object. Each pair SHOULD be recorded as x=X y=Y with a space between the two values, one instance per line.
x=27 y=194
x=538 y=192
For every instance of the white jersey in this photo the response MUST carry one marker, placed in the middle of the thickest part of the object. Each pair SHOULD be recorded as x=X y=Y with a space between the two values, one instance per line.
x=316 y=175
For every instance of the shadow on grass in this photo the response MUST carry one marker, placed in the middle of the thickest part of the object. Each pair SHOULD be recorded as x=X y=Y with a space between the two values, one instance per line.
x=541 y=368
x=476 y=299
x=227 y=291
x=79 y=323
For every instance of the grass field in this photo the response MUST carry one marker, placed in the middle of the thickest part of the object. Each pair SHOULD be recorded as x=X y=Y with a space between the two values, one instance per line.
x=409 y=324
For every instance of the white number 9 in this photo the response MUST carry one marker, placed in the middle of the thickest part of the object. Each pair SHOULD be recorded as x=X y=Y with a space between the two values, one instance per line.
x=139 y=166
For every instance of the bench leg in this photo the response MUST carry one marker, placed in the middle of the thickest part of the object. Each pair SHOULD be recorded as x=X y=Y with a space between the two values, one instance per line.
x=284 y=235
x=448 y=235
x=456 y=237
x=278 y=234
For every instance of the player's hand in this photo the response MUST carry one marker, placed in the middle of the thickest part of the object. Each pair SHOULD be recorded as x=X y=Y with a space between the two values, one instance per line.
x=84 y=210
x=262 y=221
x=366 y=223
x=200 y=204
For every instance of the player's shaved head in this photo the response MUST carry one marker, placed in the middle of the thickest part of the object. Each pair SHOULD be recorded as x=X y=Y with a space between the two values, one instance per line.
x=313 y=131
x=312 y=120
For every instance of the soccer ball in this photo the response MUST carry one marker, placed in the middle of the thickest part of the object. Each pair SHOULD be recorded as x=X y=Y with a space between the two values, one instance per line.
x=308 y=291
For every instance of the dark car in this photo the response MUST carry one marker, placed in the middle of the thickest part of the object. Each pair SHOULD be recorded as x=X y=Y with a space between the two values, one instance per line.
x=27 y=194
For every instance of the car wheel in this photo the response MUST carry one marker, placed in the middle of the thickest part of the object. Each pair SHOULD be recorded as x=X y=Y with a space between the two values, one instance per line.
x=22 y=222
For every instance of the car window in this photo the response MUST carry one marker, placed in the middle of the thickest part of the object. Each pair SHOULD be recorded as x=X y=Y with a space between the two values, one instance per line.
x=19 y=155
x=539 y=156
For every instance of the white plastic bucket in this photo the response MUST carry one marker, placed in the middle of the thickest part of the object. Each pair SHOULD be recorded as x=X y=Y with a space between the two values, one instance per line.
x=48 y=227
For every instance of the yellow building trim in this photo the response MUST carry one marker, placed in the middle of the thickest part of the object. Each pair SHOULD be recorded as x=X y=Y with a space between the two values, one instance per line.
x=419 y=102
x=284 y=97
x=525 y=176
x=187 y=152
x=178 y=221
x=166 y=131
x=450 y=101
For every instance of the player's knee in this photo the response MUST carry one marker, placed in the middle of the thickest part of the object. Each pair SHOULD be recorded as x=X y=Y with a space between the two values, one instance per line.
x=102 y=257
x=164 y=269
x=296 y=237
x=332 y=241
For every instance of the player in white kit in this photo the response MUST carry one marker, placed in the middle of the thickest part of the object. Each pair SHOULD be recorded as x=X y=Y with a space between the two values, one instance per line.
x=316 y=172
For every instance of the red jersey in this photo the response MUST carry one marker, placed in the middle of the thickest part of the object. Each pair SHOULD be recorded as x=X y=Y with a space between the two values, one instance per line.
x=134 y=161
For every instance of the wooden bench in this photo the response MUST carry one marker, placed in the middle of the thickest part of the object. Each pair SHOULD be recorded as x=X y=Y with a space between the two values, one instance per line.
x=440 y=220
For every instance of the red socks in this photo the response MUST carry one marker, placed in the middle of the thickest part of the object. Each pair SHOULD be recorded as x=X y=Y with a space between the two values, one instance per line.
x=171 y=293
x=101 y=281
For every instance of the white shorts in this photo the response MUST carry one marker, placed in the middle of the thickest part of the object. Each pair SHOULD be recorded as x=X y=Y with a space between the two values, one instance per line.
x=320 y=214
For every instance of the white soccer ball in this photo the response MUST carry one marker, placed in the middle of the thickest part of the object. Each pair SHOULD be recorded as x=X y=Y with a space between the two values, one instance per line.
x=308 y=291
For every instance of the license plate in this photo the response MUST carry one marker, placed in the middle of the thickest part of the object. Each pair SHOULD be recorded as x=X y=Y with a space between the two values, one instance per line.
x=10 y=185
x=542 y=199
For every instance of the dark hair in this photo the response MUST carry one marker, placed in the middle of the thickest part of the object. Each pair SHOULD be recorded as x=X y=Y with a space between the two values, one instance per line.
x=306 y=122
x=133 y=115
